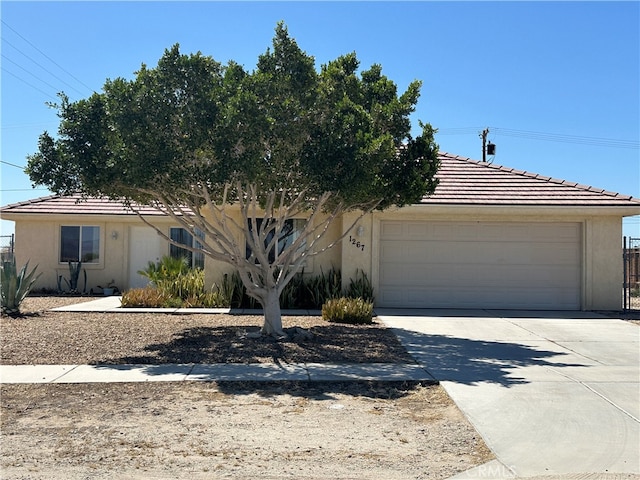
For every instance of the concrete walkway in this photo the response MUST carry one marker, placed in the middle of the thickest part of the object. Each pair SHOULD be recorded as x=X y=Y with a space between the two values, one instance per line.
x=552 y=394
x=259 y=372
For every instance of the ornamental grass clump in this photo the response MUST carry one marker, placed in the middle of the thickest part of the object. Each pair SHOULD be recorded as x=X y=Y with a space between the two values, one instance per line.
x=147 y=297
x=348 y=310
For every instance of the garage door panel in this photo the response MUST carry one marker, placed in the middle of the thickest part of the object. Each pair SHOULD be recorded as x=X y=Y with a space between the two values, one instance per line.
x=393 y=252
x=480 y=265
x=437 y=275
x=514 y=298
x=501 y=276
x=555 y=232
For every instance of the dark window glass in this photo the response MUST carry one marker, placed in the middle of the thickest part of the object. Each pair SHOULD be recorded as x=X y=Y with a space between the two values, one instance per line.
x=182 y=236
x=69 y=244
x=79 y=244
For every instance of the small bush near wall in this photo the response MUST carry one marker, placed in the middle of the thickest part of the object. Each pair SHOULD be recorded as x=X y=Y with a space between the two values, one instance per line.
x=153 y=297
x=149 y=297
x=186 y=289
x=300 y=292
x=348 y=310
x=174 y=284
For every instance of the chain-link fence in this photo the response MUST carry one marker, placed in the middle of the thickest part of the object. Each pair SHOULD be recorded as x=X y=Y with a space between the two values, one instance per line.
x=7 y=247
x=631 y=258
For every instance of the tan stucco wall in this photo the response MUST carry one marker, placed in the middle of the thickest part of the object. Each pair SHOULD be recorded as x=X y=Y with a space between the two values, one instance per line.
x=37 y=239
x=603 y=275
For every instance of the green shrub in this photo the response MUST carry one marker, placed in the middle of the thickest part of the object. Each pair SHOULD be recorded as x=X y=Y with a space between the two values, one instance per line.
x=348 y=310
x=187 y=284
x=323 y=287
x=227 y=289
x=168 y=268
x=302 y=291
x=173 y=302
x=292 y=293
x=213 y=299
x=360 y=287
x=15 y=286
x=234 y=290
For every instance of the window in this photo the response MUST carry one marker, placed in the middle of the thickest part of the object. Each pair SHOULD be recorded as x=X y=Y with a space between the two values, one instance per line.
x=79 y=244
x=182 y=236
x=289 y=233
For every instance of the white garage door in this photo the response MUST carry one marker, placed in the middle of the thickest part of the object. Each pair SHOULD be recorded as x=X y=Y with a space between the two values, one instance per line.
x=479 y=265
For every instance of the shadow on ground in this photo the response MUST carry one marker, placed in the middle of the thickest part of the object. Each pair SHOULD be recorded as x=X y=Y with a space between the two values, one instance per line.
x=331 y=343
x=461 y=360
x=470 y=361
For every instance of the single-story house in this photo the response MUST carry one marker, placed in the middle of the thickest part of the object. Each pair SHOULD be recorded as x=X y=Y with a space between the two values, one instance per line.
x=489 y=237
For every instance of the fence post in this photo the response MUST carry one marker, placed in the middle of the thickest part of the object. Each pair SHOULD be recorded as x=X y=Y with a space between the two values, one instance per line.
x=625 y=276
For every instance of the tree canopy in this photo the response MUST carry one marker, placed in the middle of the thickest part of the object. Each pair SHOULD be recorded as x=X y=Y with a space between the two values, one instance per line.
x=286 y=137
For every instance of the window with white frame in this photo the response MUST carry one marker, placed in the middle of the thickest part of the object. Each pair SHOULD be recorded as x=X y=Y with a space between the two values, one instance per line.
x=182 y=236
x=79 y=243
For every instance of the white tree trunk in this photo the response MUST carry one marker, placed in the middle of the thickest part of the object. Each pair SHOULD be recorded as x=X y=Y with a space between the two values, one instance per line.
x=272 y=314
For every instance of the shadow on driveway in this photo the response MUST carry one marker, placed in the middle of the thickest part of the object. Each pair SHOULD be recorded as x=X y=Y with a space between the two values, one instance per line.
x=470 y=361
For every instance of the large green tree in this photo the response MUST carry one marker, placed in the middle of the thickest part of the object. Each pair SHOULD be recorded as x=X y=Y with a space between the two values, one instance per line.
x=284 y=141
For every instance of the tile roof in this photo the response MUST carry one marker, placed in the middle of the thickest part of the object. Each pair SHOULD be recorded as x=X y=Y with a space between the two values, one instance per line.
x=76 y=205
x=463 y=181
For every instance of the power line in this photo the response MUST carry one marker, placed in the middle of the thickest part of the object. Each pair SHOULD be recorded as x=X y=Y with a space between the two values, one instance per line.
x=13 y=165
x=29 y=84
x=544 y=136
x=39 y=65
x=27 y=71
x=554 y=137
x=48 y=58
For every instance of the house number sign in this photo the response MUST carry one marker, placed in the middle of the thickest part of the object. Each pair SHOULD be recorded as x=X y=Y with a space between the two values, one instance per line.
x=356 y=243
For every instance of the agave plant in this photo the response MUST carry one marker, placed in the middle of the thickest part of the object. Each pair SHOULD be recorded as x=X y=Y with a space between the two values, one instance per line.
x=74 y=275
x=15 y=286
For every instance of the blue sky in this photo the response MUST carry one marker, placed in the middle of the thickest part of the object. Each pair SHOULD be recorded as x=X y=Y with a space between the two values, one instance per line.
x=556 y=83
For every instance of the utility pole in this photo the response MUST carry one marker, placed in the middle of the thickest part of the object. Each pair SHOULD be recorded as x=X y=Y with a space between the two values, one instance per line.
x=487 y=148
x=484 y=134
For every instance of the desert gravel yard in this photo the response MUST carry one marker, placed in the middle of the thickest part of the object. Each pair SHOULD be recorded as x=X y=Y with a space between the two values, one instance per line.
x=198 y=430
x=44 y=337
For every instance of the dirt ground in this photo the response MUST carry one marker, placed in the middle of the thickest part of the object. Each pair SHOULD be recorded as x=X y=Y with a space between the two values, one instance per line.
x=209 y=430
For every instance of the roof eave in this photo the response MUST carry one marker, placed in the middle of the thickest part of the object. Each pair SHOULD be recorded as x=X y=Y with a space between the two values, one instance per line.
x=580 y=210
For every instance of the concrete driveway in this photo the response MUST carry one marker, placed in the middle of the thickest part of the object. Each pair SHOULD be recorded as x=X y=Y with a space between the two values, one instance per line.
x=552 y=393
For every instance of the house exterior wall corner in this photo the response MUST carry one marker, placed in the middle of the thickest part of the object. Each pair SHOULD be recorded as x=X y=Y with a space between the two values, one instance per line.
x=602 y=263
